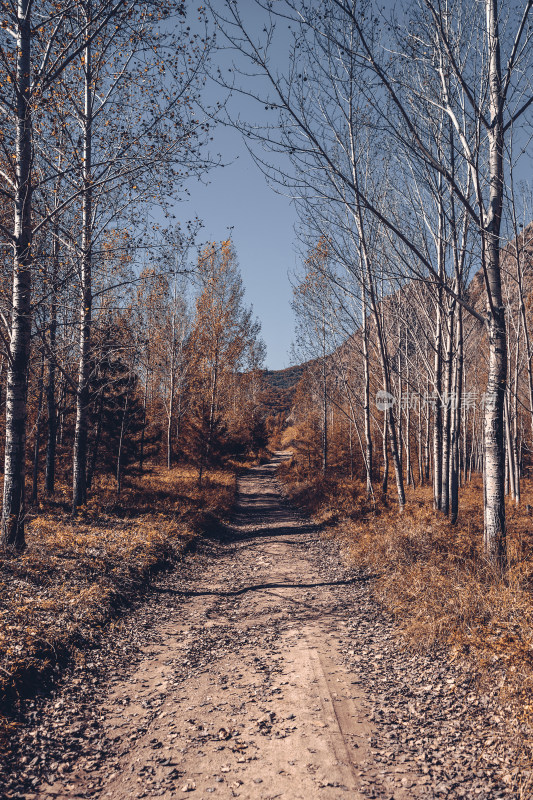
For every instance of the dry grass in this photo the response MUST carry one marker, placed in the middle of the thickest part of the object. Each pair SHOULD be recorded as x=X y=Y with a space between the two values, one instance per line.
x=76 y=574
x=327 y=499
x=433 y=578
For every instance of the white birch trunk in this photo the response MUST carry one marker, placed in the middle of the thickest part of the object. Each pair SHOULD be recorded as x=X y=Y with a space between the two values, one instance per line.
x=494 y=444
x=50 y=470
x=455 y=466
x=366 y=401
x=13 y=511
x=79 y=482
x=447 y=414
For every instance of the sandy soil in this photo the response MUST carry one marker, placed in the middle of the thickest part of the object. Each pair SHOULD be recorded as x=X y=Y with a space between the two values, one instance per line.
x=260 y=670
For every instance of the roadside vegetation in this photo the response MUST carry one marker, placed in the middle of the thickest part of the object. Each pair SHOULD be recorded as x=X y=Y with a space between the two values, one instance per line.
x=131 y=380
x=77 y=575
x=433 y=576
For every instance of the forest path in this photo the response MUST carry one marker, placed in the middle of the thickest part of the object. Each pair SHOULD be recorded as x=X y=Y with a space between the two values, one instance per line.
x=255 y=677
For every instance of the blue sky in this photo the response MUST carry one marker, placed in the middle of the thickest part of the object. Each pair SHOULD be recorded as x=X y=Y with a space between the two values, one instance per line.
x=237 y=196
x=238 y=201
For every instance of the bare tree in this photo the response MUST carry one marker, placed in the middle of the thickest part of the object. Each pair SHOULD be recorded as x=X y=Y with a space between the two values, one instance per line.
x=412 y=75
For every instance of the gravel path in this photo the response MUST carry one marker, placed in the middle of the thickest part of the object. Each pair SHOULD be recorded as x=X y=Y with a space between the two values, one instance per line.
x=262 y=669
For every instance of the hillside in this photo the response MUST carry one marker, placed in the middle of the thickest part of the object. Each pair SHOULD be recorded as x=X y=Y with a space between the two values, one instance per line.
x=279 y=387
x=285 y=378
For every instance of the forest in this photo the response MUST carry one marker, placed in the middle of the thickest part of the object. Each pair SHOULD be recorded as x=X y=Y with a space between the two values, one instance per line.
x=133 y=392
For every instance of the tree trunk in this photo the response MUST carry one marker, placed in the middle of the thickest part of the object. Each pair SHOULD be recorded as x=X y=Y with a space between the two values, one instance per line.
x=427 y=457
x=96 y=444
x=50 y=473
x=447 y=413
x=419 y=440
x=366 y=402
x=178 y=423
x=464 y=429
x=407 y=404
x=368 y=279
x=324 y=417
x=523 y=315
x=513 y=417
x=120 y=444
x=79 y=488
x=350 y=445
x=212 y=408
x=385 y=481
x=170 y=420
x=389 y=416
x=13 y=512
x=437 y=409
x=145 y=401
x=509 y=461
x=455 y=465
x=36 y=447
x=494 y=447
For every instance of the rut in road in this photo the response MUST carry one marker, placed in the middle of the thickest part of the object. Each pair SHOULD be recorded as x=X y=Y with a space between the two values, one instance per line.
x=243 y=688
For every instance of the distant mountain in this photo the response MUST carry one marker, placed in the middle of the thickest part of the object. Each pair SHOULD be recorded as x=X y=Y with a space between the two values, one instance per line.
x=285 y=378
x=279 y=386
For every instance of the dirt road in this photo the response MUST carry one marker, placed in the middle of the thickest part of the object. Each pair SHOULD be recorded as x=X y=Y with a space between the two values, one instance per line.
x=262 y=670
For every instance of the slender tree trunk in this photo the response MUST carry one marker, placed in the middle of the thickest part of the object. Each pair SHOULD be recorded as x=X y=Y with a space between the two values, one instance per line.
x=385 y=481
x=437 y=409
x=2 y=365
x=36 y=447
x=408 y=468
x=368 y=280
x=178 y=422
x=473 y=444
x=143 y=430
x=96 y=443
x=366 y=401
x=523 y=315
x=170 y=420
x=494 y=445
x=79 y=488
x=420 y=446
x=455 y=465
x=121 y=442
x=50 y=473
x=427 y=457
x=515 y=448
x=212 y=407
x=465 y=437
x=350 y=444
x=61 y=410
x=389 y=415
x=513 y=417
x=447 y=415
x=400 y=403
x=324 y=416
x=13 y=511
x=510 y=481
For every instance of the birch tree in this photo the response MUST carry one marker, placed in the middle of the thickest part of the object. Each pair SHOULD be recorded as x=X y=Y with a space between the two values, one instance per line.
x=223 y=342
x=34 y=51
x=409 y=72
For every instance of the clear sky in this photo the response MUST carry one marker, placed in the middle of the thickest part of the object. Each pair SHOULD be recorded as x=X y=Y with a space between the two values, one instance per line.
x=237 y=201
x=262 y=221
x=237 y=196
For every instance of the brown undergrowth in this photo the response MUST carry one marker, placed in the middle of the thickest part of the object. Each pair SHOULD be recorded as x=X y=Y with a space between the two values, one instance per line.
x=76 y=575
x=432 y=576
